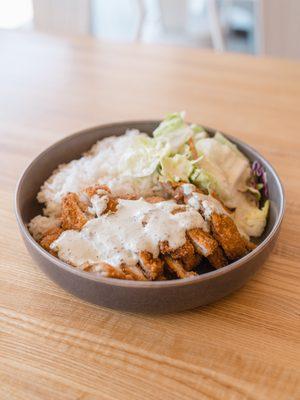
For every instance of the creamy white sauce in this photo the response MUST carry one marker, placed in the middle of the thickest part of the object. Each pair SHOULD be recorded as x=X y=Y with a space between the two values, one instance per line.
x=118 y=237
x=207 y=204
x=194 y=202
x=99 y=204
x=187 y=188
x=121 y=163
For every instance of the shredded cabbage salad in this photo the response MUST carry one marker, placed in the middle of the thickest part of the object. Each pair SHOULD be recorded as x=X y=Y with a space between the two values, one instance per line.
x=182 y=152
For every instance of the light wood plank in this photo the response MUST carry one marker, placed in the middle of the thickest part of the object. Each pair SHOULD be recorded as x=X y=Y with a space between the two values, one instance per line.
x=53 y=345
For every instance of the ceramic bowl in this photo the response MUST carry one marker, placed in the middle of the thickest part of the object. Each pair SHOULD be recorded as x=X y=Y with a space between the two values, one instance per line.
x=153 y=297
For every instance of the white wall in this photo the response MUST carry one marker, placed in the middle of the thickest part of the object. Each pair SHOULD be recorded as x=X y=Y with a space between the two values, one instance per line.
x=62 y=16
x=280 y=27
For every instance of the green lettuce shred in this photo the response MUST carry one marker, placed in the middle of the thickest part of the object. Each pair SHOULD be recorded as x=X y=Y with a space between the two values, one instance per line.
x=202 y=178
x=171 y=123
x=175 y=169
x=222 y=139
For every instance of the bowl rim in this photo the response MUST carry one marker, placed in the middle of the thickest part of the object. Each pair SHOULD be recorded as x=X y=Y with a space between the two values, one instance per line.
x=144 y=284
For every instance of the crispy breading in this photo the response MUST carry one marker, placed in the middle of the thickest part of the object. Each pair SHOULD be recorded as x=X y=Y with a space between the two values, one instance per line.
x=115 y=273
x=49 y=238
x=186 y=249
x=175 y=185
x=87 y=267
x=218 y=259
x=179 y=209
x=227 y=234
x=250 y=245
x=191 y=261
x=161 y=278
x=152 y=267
x=98 y=190
x=110 y=272
x=112 y=205
x=72 y=215
x=92 y=190
x=83 y=206
x=226 y=242
x=203 y=242
x=129 y=197
x=135 y=272
x=154 y=199
x=176 y=267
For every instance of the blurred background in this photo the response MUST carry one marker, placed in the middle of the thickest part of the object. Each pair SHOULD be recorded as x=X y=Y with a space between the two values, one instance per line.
x=269 y=27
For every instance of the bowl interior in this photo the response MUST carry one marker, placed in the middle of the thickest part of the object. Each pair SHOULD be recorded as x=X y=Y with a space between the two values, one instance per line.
x=73 y=146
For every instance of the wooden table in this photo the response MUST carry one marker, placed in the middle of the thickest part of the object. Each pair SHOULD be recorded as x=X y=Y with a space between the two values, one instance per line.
x=55 y=346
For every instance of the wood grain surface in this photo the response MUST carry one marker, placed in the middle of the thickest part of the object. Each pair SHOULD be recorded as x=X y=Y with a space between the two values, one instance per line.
x=55 y=346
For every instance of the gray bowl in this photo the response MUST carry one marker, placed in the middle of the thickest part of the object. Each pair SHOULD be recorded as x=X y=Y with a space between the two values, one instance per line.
x=154 y=297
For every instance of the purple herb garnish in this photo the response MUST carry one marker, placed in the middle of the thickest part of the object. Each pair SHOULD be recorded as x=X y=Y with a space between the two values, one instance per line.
x=260 y=177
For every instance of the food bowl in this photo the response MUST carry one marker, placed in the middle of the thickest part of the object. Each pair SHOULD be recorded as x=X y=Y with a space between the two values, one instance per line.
x=139 y=296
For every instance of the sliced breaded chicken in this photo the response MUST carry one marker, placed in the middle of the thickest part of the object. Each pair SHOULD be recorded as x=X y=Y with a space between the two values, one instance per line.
x=154 y=199
x=227 y=234
x=162 y=278
x=50 y=236
x=152 y=267
x=96 y=189
x=177 y=268
x=135 y=272
x=72 y=213
x=128 y=197
x=186 y=249
x=250 y=245
x=191 y=261
x=218 y=259
x=103 y=190
x=124 y=272
x=109 y=271
x=203 y=242
x=112 y=205
x=179 y=209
